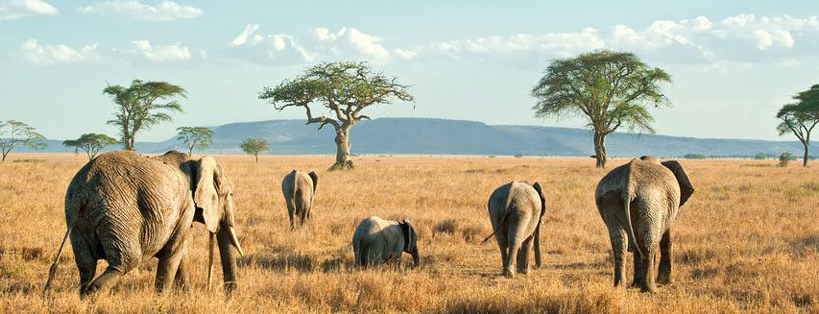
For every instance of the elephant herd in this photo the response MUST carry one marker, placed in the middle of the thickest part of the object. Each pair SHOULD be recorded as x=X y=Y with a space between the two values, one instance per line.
x=126 y=208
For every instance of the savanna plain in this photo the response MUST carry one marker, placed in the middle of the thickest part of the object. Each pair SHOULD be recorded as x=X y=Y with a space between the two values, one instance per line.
x=747 y=241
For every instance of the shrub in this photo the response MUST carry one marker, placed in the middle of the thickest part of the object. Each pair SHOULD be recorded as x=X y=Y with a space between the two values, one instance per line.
x=694 y=156
x=761 y=156
x=518 y=155
x=785 y=158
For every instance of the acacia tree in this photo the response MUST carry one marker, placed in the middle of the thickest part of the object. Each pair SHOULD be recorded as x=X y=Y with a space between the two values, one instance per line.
x=254 y=146
x=91 y=143
x=344 y=89
x=141 y=106
x=14 y=134
x=609 y=89
x=195 y=136
x=800 y=118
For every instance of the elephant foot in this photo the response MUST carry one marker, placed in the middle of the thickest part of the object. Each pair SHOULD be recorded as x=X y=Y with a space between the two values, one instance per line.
x=635 y=284
x=648 y=289
x=664 y=279
x=508 y=274
x=523 y=271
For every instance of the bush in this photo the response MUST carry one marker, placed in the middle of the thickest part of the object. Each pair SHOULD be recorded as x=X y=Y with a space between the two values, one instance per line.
x=785 y=158
x=761 y=156
x=518 y=155
x=694 y=156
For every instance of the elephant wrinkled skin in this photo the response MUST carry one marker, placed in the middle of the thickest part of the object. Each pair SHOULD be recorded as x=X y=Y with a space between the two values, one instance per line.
x=126 y=208
x=638 y=202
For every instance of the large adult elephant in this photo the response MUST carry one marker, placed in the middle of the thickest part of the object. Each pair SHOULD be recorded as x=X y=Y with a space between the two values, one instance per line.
x=299 y=188
x=516 y=210
x=126 y=208
x=638 y=202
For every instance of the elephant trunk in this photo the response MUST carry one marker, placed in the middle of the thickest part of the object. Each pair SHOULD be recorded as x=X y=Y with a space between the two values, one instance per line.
x=416 y=259
x=225 y=237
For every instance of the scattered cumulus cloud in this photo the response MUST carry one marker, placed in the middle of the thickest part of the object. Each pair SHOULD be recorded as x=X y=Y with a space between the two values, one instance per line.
x=174 y=52
x=16 y=9
x=33 y=51
x=132 y=9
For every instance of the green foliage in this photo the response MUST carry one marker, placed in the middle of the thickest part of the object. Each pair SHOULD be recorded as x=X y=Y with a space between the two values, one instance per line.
x=142 y=106
x=518 y=155
x=607 y=88
x=254 y=146
x=14 y=134
x=195 y=137
x=694 y=156
x=91 y=143
x=785 y=158
x=761 y=156
x=800 y=117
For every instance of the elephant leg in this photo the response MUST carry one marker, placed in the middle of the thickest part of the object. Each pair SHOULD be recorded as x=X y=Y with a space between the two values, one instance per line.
x=509 y=270
x=523 y=256
x=183 y=272
x=103 y=282
x=397 y=262
x=664 y=273
x=86 y=263
x=648 y=272
x=503 y=250
x=638 y=272
x=166 y=270
x=619 y=246
x=291 y=208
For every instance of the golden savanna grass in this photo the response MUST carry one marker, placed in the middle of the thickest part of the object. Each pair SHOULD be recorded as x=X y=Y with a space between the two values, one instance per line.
x=746 y=242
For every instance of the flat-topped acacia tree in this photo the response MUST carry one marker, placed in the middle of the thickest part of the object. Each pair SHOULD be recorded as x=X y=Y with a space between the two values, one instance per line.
x=344 y=89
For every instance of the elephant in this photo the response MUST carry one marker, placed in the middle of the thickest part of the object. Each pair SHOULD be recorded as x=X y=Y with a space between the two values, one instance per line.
x=126 y=209
x=377 y=241
x=638 y=202
x=516 y=210
x=299 y=188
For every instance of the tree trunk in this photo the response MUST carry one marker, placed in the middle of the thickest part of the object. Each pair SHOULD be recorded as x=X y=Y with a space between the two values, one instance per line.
x=805 y=158
x=600 y=149
x=257 y=157
x=343 y=161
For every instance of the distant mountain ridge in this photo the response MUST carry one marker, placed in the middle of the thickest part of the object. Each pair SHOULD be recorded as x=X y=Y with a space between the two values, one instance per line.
x=460 y=137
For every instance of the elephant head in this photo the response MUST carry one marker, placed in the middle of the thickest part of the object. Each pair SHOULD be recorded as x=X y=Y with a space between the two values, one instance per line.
x=213 y=197
x=410 y=241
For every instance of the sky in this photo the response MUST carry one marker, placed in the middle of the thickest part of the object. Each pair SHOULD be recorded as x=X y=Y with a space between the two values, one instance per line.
x=733 y=63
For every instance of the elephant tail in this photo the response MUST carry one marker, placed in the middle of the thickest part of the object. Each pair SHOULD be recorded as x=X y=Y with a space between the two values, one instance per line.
x=629 y=226
x=500 y=225
x=53 y=270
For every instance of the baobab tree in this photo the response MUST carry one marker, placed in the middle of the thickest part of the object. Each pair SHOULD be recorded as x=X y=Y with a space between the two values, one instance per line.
x=344 y=89
x=610 y=89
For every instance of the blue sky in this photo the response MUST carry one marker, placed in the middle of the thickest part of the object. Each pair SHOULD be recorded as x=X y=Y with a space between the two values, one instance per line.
x=733 y=63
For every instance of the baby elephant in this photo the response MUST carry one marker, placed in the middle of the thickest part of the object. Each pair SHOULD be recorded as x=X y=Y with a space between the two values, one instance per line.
x=516 y=210
x=378 y=241
x=298 y=188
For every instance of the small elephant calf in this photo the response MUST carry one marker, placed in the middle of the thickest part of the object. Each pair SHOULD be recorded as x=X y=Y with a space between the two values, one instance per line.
x=516 y=210
x=377 y=241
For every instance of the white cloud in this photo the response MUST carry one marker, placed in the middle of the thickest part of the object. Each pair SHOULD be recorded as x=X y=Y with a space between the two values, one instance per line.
x=15 y=9
x=242 y=38
x=767 y=32
x=164 y=11
x=173 y=52
x=32 y=51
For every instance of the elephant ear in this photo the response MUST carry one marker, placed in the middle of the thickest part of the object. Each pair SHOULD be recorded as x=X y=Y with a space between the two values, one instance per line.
x=206 y=196
x=539 y=190
x=686 y=189
x=314 y=177
x=406 y=230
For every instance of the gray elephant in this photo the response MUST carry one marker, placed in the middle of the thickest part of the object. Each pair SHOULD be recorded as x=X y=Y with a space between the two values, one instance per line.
x=126 y=209
x=638 y=202
x=299 y=188
x=377 y=241
x=516 y=210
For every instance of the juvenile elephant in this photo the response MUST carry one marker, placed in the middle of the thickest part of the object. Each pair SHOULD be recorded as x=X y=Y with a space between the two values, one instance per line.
x=299 y=188
x=516 y=210
x=126 y=208
x=638 y=202
x=377 y=241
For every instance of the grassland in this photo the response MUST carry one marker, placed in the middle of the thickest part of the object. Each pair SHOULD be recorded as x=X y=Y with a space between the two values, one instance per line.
x=747 y=241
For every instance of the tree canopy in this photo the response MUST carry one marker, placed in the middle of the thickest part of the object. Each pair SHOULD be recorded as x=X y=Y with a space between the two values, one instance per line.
x=195 y=137
x=142 y=106
x=254 y=146
x=609 y=89
x=800 y=117
x=344 y=89
x=15 y=134
x=91 y=143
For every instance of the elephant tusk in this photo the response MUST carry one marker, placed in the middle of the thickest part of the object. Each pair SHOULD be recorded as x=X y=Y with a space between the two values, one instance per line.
x=235 y=241
x=210 y=256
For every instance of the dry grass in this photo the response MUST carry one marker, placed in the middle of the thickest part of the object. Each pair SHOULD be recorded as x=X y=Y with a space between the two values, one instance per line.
x=746 y=242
